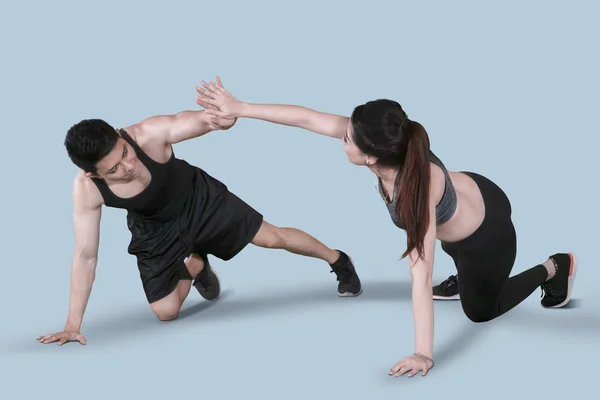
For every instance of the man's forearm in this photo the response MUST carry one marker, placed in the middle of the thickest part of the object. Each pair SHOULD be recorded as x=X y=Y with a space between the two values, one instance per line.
x=82 y=278
x=422 y=300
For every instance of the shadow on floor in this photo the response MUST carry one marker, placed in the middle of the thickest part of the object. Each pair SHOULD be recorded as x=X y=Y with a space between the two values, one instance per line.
x=135 y=321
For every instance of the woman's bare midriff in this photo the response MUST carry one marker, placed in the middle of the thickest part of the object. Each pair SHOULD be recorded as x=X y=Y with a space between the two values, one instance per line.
x=469 y=213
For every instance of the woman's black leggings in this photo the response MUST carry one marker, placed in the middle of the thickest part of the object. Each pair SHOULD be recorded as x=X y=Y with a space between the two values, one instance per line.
x=485 y=259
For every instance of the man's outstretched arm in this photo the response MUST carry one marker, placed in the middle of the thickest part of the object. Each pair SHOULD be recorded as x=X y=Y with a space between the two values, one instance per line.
x=86 y=222
x=183 y=125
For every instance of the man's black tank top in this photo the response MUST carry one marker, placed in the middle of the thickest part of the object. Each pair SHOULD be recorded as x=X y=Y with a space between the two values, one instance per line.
x=170 y=185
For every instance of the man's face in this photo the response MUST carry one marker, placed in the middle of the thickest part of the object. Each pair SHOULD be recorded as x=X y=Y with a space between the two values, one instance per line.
x=120 y=165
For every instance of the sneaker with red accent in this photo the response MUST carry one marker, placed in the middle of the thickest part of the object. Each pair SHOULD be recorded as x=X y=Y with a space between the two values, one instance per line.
x=557 y=291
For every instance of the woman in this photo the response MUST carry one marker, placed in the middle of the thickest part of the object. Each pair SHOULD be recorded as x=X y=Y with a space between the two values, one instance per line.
x=467 y=212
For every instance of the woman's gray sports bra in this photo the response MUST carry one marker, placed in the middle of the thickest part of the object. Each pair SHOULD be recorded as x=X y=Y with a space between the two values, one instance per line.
x=445 y=208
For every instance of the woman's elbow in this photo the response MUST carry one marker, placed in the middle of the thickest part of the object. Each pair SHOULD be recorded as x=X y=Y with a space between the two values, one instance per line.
x=421 y=277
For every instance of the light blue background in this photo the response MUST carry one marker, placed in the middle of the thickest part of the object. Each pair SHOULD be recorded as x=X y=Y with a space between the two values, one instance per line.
x=509 y=90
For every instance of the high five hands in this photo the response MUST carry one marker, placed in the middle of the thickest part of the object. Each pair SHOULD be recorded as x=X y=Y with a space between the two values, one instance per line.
x=223 y=106
x=205 y=98
x=217 y=100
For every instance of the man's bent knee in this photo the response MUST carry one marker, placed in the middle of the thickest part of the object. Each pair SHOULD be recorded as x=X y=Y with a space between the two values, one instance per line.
x=163 y=316
x=168 y=308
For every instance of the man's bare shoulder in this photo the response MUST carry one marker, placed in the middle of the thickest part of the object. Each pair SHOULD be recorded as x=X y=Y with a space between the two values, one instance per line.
x=138 y=132
x=150 y=131
x=85 y=192
x=150 y=135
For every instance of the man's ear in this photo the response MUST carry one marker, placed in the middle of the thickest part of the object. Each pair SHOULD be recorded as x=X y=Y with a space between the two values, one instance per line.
x=91 y=175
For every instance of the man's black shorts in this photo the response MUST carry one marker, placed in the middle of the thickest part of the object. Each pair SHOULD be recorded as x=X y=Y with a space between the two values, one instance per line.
x=211 y=220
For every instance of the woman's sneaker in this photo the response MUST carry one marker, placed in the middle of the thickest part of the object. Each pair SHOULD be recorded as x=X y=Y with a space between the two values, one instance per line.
x=557 y=291
x=447 y=290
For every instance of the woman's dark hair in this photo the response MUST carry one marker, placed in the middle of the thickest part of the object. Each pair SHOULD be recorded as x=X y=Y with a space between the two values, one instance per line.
x=382 y=129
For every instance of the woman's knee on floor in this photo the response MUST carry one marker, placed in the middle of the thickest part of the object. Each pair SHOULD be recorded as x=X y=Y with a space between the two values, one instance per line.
x=270 y=236
x=479 y=311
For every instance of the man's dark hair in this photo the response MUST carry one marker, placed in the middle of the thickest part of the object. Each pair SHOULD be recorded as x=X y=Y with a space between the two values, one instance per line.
x=89 y=141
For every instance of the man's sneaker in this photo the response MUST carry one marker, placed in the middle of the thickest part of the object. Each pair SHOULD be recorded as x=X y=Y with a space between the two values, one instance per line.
x=349 y=283
x=556 y=292
x=207 y=283
x=447 y=290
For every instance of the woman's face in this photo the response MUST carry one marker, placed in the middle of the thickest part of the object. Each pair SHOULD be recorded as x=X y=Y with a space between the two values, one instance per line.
x=355 y=156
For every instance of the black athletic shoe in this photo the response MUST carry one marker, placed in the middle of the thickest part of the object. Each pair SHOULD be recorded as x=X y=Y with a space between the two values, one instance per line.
x=447 y=290
x=556 y=292
x=207 y=283
x=349 y=283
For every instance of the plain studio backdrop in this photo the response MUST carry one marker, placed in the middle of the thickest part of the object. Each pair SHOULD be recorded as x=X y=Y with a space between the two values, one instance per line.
x=508 y=90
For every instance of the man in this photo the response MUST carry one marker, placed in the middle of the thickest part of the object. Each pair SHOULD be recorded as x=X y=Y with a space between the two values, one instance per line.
x=174 y=210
